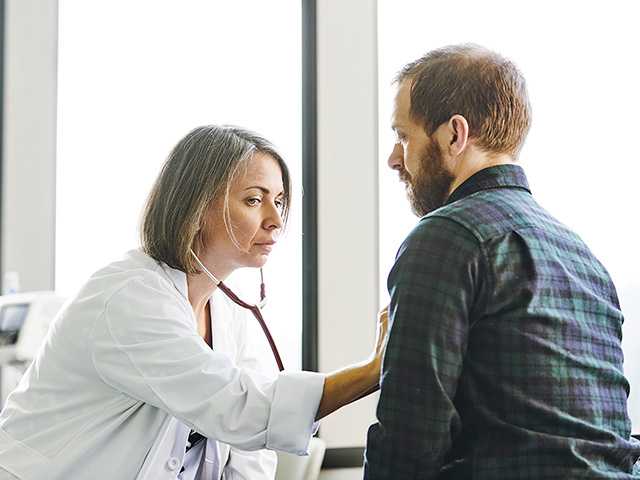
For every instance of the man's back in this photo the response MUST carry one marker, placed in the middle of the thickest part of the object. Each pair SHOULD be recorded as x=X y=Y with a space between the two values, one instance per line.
x=504 y=359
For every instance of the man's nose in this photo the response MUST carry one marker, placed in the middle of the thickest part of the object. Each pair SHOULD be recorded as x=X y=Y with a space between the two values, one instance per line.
x=396 y=158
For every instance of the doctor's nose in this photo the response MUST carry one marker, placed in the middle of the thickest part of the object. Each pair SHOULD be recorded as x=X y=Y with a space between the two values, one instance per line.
x=273 y=220
x=396 y=158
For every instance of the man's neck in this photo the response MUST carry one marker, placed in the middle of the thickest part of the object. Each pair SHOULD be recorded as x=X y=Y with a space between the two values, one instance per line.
x=475 y=162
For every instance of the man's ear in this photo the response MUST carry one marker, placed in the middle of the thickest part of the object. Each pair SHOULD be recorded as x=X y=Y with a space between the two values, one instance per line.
x=458 y=134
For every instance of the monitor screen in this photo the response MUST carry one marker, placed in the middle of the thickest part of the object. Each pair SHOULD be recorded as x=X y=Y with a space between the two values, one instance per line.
x=12 y=316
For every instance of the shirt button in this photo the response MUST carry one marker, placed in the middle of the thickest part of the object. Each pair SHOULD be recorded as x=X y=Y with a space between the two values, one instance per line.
x=173 y=463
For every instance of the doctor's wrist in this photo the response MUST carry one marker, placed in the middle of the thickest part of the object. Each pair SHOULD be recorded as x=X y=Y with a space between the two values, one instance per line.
x=348 y=385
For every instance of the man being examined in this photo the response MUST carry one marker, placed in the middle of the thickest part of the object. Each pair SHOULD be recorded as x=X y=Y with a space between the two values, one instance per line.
x=504 y=358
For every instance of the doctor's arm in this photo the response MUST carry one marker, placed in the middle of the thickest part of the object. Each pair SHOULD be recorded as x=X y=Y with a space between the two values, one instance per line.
x=432 y=287
x=351 y=383
x=340 y=388
x=145 y=345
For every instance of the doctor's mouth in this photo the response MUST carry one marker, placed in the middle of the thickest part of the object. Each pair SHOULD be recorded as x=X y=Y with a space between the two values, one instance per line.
x=266 y=247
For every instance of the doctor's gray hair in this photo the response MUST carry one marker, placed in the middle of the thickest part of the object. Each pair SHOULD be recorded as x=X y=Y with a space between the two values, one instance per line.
x=200 y=168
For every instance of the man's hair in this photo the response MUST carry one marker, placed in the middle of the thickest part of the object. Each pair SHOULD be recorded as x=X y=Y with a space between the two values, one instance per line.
x=482 y=86
x=199 y=169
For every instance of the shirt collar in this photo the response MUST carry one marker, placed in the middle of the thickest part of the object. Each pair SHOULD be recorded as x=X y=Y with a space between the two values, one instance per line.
x=499 y=176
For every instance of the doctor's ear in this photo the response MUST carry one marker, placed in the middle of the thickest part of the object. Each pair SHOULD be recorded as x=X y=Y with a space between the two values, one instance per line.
x=458 y=133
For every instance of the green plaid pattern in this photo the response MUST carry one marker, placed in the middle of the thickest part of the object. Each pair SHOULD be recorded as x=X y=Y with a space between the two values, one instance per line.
x=504 y=358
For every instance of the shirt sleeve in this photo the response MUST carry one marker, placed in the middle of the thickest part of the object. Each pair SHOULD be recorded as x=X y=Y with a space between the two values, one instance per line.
x=433 y=286
x=146 y=345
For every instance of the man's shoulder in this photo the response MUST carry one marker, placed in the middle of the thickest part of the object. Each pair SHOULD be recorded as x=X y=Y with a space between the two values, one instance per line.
x=438 y=237
x=490 y=213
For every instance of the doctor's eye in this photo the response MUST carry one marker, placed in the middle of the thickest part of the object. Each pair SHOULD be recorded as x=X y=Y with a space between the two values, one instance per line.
x=253 y=201
x=279 y=203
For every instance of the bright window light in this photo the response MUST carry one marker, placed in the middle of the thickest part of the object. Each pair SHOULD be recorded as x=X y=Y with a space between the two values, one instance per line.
x=580 y=62
x=135 y=77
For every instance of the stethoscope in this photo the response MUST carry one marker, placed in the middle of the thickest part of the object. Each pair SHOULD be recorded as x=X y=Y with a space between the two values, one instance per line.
x=255 y=309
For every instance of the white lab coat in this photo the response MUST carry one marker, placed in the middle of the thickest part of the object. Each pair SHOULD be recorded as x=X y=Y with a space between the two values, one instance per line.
x=121 y=370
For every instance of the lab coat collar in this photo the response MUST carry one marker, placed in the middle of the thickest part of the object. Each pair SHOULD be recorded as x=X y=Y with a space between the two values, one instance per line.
x=177 y=277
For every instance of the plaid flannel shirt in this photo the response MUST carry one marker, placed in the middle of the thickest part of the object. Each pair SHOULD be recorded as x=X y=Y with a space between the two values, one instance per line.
x=504 y=358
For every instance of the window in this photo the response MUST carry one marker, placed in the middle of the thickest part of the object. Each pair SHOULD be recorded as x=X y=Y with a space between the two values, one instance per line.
x=134 y=77
x=578 y=59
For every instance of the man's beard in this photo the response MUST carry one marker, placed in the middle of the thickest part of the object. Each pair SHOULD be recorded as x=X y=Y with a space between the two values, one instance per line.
x=429 y=188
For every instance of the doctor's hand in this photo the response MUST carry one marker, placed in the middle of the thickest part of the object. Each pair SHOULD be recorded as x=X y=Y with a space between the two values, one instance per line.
x=356 y=381
x=382 y=334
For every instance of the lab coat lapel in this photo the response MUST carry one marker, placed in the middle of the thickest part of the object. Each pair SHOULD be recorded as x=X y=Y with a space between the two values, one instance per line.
x=154 y=466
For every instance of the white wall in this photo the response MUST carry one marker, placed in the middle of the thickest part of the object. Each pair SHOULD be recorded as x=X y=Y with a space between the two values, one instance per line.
x=347 y=200
x=28 y=203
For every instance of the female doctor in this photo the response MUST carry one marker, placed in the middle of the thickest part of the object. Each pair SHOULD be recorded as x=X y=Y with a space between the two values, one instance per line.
x=127 y=378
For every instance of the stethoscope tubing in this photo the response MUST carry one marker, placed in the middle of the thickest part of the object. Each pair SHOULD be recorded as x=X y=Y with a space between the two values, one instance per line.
x=255 y=309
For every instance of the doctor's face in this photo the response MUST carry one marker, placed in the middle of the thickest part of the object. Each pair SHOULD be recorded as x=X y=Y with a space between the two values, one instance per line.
x=255 y=205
